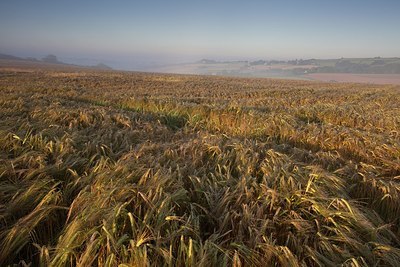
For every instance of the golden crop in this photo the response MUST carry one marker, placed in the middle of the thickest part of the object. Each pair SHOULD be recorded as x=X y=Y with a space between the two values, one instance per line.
x=134 y=169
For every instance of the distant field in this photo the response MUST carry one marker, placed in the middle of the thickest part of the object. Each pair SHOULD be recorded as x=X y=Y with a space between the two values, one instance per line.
x=356 y=78
x=335 y=70
x=230 y=68
x=137 y=169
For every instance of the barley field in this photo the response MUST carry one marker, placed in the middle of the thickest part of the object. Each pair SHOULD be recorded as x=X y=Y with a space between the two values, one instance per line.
x=132 y=169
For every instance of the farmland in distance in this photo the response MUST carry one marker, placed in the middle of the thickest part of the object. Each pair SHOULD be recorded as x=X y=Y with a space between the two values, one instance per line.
x=107 y=168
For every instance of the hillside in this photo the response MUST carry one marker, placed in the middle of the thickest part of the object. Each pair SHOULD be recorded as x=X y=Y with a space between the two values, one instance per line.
x=107 y=168
x=9 y=57
x=50 y=61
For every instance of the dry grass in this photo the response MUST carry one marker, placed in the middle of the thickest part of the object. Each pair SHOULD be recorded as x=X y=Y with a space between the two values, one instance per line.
x=130 y=169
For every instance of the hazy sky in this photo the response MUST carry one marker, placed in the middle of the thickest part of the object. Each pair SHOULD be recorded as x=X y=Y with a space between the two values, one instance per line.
x=133 y=32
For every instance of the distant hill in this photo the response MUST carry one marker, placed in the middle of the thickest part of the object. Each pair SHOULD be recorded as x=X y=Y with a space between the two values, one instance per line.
x=9 y=57
x=52 y=59
x=359 y=65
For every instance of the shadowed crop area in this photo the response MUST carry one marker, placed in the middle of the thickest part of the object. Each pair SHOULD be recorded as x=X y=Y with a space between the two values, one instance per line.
x=130 y=169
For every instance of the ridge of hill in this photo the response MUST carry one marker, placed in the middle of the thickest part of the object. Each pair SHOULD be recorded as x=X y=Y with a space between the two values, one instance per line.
x=52 y=59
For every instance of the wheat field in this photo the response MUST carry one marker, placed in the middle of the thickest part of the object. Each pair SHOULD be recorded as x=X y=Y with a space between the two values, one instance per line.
x=134 y=169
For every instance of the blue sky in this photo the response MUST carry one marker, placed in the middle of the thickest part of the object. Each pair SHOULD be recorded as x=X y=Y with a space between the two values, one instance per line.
x=126 y=33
